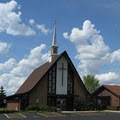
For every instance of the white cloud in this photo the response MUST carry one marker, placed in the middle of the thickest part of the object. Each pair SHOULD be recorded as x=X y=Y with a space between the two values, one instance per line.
x=115 y=56
x=93 y=53
x=91 y=50
x=31 y=21
x=108 y=78
x=10 y=21
x=18 y=72
x=85 y=33
x=43 y=29
x=8 y=65
x=4 y=47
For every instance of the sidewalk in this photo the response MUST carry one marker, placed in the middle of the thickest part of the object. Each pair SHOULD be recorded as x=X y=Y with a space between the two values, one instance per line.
x=111 y=111
x=85 y=112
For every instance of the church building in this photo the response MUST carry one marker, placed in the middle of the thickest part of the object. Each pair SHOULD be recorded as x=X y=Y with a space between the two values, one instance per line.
x=55 y=83
x=108 y=95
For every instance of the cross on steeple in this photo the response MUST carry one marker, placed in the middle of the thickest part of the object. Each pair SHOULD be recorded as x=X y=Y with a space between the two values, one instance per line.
x=62 y=68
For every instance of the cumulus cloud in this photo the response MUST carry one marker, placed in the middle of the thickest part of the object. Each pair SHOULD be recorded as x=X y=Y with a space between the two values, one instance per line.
x=115 y=56
x=90 y=46
x=93 y=53
x=18 y=72
x=31 y=21
x=43 y=29
x=8 y=65
x=10 y=20
x=80 y=35
x=4 y=47
x=108 y=78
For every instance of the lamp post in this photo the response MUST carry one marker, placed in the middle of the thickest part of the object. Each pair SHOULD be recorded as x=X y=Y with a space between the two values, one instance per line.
x=5 y=101
x=37 y=103
x=61 y=103
x=99 y=105
x=17 y=107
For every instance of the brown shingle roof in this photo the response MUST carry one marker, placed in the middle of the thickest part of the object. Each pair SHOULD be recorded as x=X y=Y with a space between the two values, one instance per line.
x=113 y=88
x=35 y=76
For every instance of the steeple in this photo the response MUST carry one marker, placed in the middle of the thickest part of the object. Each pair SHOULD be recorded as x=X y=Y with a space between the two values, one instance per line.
x=54 y=47
x=54 y=35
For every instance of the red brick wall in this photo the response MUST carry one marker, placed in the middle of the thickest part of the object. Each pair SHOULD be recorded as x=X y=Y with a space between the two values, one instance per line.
x=114 y=99
x=13 y=105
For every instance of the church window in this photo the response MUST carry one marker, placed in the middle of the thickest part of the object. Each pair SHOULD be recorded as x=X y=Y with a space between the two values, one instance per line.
x=70 y=80
x=52 y=80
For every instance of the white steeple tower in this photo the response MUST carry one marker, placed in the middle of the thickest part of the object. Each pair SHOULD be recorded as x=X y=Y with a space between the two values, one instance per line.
x=54 y=47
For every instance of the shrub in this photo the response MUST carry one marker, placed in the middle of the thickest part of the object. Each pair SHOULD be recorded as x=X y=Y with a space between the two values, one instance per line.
x=42 y=108
x=79 y=105
x=31 y=108
x=112 y=108
x=54 y=109
x=48 y=108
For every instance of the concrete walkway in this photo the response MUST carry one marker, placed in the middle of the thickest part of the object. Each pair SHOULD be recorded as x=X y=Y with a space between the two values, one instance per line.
x=85 y=112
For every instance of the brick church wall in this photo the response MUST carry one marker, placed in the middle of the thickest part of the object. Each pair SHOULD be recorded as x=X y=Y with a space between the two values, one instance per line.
x=114 y=99
x=39 y=92
x=13 y=105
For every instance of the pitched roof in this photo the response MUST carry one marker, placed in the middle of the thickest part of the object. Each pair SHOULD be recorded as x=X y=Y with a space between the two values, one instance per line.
x=38 y=74
x=114 y=89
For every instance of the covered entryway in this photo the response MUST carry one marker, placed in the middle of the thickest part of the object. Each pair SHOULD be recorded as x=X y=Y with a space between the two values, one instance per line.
x=65 y=102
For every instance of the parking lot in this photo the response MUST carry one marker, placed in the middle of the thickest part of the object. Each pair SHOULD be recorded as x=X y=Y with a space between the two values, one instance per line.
x=60 y=116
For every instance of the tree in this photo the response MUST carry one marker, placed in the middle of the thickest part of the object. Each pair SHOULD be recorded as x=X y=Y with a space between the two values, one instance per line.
x=2 y=96
x=91 y=83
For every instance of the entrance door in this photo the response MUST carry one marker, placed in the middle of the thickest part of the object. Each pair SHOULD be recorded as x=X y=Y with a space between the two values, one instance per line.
x=65 y=103
x=62 y=103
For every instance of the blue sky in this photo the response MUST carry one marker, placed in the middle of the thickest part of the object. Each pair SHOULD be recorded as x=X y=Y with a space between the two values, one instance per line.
x=89 y=30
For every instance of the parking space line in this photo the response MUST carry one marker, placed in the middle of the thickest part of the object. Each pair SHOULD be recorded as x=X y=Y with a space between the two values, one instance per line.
x=43 y=114
x=58 y=114
x=22 y=115
x=6 y=115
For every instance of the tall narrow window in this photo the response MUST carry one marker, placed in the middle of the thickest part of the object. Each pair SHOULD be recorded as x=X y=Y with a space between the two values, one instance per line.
x=70 y=86
x=52 y=80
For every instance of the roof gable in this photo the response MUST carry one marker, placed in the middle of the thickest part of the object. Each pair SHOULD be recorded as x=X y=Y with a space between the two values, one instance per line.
x=39 y=72
x=114 y=89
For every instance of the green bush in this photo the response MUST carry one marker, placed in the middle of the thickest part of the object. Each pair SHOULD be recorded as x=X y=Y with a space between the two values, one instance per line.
x=113 y=108
x=44 y=108
x=82 y=105
x=54 y=109
x=48 y=108
x=31 y=108
x=41 y=108
x=79 y=105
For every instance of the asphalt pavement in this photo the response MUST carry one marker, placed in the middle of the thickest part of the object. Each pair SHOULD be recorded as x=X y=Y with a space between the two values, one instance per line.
x=60 y=116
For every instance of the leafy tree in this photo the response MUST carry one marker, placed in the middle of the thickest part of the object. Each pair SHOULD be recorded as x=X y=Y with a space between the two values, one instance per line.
x=2 y=96
x=91 y=83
